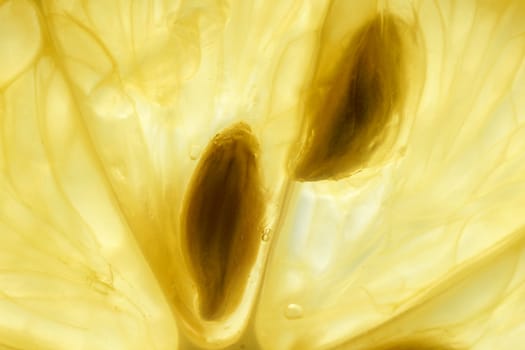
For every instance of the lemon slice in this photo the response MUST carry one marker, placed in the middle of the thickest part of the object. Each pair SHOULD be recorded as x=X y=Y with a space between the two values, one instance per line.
x=262 y=174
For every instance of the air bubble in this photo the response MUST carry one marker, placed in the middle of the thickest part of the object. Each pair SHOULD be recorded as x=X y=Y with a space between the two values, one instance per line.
x=266 y=235
x=194 y=152
x=293 y=311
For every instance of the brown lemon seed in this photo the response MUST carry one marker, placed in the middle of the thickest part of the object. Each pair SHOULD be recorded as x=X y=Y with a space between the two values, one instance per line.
x=415 y=344
x=364 y=94
x=222 y=220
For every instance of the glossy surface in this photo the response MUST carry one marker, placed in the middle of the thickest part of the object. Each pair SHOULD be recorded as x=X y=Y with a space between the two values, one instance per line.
x=223 y=220
x=359 y=104
x=108 y=115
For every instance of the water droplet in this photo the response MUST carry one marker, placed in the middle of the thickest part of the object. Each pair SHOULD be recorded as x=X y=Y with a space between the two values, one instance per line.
x=111 y=103
x=293 y=311
x=194 y=152
x=266 y=234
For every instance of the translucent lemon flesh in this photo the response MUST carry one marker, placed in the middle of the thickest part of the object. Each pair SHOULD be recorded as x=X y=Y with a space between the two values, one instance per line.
x=262 y=174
